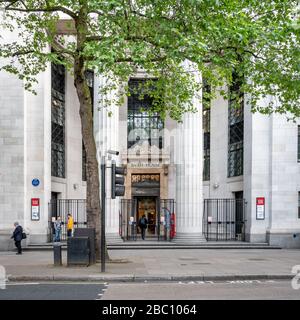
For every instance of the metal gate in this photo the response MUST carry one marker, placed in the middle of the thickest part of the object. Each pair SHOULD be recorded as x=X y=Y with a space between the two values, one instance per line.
x=128 y=225
x=224 y=219
x=61 y=208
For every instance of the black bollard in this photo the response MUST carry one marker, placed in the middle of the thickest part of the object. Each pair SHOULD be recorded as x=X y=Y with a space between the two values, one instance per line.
x=57 y=254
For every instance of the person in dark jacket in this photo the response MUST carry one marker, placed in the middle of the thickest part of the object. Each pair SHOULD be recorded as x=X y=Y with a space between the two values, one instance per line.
x=143 y=225
x=17 y=236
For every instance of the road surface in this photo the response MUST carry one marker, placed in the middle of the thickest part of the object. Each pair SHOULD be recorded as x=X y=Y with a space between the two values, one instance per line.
x=193 y=290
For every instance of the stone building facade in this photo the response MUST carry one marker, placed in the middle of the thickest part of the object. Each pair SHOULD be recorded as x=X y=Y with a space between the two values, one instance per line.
x=212 y=154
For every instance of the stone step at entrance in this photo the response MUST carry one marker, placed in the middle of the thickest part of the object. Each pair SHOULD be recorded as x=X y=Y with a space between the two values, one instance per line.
x=181 y=241
x=113 y=239
x=132 y=245
x=189 y=238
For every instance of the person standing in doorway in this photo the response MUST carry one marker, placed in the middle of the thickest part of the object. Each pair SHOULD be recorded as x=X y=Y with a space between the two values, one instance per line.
x=143 y=225
x=57 y=228
x=18 y=236
x=70 y=225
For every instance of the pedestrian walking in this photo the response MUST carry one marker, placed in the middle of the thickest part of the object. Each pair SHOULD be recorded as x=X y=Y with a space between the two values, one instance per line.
x=70 y=225
x=18 y=235
x=57 y=228
x=143 y=225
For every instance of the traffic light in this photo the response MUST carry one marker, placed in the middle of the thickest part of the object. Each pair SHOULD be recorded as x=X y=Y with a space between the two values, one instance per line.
x=117 y=181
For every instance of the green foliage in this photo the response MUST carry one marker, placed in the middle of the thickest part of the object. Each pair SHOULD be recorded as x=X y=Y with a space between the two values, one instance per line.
x=258 y=40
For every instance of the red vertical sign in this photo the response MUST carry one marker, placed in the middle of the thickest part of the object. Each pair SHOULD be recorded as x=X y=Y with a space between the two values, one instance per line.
x=260 y=208
x=35 y=209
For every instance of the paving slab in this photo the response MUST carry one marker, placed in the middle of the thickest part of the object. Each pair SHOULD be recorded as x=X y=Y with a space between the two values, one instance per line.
x=156 y=265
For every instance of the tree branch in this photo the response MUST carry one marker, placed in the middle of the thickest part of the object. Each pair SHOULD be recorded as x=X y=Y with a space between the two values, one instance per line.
x=48 y=8
x=56 y=47
x=95 y=38
x=128 y=38
x=138 y=13
x=158 y=59
x=96 y=12
x=255 y=55
x=21 y=53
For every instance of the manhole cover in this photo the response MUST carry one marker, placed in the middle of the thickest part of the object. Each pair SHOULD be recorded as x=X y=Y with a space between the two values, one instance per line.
x=257 y=259
x=202 y=263
x=188 y=259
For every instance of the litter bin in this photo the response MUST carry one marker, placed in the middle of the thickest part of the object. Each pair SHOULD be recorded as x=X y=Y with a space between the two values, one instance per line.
x=91 y=233
x=78 y=251
x=57 y=254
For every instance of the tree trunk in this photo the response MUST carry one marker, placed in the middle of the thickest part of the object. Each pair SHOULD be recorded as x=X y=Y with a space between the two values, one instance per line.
x=93 y=207
x=93 y=187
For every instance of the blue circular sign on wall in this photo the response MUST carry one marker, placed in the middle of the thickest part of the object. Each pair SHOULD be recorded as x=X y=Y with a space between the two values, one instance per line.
x=35 y=182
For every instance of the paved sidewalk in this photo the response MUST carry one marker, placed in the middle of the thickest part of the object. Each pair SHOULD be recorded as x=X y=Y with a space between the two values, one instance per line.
x=150 y=265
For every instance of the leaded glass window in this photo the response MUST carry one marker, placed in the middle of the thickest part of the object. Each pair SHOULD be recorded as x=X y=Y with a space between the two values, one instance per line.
x=57 y=120
x=206 y=132
x=235 y=129
x=142 y=126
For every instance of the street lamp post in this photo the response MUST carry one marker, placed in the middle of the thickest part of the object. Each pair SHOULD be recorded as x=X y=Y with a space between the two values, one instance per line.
x=103 y=199
x=103 y=205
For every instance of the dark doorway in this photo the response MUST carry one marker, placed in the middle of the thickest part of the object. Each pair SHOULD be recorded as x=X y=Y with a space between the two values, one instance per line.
x=239 y=195
x=239 y=214
x=53 y=211
x=147 y=206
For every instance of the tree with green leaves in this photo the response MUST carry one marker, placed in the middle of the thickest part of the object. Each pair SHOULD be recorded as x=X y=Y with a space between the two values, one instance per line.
x=257 y=40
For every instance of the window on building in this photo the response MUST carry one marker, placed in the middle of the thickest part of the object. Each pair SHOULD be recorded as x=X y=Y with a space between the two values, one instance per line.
x=142 y=126
x=298 y=143
x=89 y=75
x=57 y=120
x=299 y=205
x=206 y=131
x=235 y=129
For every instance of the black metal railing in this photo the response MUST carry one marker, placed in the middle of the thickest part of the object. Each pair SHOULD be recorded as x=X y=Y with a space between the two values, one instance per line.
x=61 y=208
x=224 y=219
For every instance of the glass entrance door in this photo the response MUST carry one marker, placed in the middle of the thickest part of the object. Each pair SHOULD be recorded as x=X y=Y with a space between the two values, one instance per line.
x=147 y=206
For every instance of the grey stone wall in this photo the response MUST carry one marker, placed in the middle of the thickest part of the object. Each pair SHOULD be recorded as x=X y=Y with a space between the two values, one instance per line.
x=11 y=151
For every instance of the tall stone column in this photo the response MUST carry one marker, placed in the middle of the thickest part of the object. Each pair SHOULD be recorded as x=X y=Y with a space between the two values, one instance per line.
x=106 y=129
x=188 y=163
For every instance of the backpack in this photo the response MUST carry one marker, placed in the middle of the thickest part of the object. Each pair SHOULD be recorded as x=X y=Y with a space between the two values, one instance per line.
x=143 y=223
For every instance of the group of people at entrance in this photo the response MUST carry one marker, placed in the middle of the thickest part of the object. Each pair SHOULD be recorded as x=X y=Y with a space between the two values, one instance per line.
x=58 y=226
x=143 y=223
